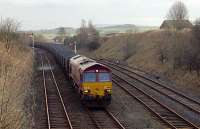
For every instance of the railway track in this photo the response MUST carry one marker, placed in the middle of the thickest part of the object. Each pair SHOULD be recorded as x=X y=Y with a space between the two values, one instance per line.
x=164 y=112
x=56 y=114
x=62 y=117
x=160 y=87
x=104 y=119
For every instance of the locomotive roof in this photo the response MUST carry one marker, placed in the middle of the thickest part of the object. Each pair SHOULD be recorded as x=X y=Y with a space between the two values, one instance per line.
x=85 y=63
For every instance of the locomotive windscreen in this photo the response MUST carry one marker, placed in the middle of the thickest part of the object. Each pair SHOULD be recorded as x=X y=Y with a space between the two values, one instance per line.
x=96 y=77
x=89 y=77
x=104 y=77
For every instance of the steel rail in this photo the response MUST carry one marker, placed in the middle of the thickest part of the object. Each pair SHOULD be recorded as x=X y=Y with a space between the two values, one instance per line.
x=155 y=100
x=114 y=118
x=158 y=83
x=159 y=91
x=61 y=99
x=92 y=118
x=117 y=122
x=45 y=93
x=149 y=108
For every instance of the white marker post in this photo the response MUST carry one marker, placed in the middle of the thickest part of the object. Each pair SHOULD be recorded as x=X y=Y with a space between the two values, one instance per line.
x=75 y=50
x=33 y=43
x=31 y=35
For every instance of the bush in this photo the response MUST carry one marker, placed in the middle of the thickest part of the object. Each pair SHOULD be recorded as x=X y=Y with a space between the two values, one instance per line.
x=15 y=75
x=8 y=29
x=15 y=67
x=130 y=46
x=93 y=45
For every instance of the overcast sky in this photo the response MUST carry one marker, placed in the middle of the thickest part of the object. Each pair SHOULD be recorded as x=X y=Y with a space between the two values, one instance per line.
x=44 y=14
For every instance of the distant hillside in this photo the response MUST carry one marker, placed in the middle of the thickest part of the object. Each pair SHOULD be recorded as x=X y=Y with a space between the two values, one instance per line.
x=51 y=33
x=116 y=29
x=124 y=28
x=103 y=29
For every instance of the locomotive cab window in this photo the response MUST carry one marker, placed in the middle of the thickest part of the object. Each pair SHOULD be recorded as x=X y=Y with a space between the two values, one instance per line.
x=89 y=77
x=104 y=77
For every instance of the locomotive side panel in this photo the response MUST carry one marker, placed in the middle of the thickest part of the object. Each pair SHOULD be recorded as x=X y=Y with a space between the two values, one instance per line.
x=75 y=74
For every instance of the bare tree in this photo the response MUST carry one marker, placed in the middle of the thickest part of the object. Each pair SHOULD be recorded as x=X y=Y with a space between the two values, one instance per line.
x=87 y=36
x=93 y=37
x=92 y=32
x=129 y=45
x=196 y=29
x=178 y=12
x=70 y=41
x=163 y=48
x=8 y=29
x=195 y=48
x=82 y=35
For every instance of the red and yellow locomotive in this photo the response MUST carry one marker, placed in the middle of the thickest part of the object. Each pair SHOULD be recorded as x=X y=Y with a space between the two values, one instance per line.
x=91 y=79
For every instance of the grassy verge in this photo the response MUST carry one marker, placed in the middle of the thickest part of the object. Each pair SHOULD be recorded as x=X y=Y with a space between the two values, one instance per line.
x=15 y=80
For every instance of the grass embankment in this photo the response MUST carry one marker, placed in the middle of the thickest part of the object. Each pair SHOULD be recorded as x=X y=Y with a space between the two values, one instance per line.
x=148 y=47
x=15 y=80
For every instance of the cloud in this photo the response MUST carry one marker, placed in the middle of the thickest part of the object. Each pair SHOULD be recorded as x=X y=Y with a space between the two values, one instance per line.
x=36 y=14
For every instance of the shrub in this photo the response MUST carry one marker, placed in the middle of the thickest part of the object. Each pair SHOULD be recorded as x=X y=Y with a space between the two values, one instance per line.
x=93 y=45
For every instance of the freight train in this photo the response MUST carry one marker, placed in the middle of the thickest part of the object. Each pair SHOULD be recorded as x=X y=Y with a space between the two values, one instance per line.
x=92 y=80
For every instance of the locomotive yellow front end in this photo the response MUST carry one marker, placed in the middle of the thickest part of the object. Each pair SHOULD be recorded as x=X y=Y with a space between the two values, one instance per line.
x=97 y=90
x=97 y=85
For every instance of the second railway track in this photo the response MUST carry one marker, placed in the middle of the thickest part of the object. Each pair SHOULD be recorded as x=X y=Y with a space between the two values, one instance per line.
x=160 y=87
x=169 y=117
x=191 y=106
x=57 y=116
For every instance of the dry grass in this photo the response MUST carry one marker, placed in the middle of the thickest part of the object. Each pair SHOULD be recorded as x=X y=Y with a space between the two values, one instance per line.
x=147 y=57
x=15 y=78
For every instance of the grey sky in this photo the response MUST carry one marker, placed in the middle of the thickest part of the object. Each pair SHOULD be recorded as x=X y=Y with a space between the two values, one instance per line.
x=43 y=14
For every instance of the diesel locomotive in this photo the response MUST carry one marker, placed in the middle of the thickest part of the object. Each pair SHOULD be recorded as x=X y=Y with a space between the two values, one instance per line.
x=92 y=80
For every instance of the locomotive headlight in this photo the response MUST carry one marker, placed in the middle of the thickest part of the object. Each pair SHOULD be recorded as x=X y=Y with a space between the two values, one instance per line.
x=85 y=91
x=109 y=91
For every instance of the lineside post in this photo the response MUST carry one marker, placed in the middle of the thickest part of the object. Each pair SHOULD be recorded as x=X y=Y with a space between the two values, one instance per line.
x=33 y=43
x=75 y=49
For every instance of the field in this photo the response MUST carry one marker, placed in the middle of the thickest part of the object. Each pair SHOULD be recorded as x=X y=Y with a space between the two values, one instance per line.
x=52 y=33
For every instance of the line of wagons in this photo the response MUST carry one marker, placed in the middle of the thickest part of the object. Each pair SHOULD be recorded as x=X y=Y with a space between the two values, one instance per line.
x=92 y=80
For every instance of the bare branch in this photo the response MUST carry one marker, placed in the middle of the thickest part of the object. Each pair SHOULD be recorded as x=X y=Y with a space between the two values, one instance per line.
x=178 y=12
